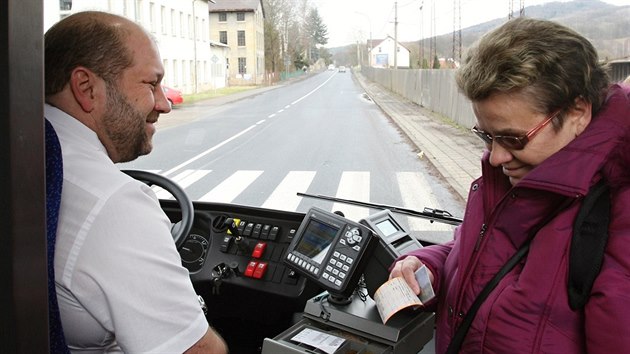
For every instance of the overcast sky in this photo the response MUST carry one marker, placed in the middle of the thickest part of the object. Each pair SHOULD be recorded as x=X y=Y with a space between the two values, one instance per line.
x=349 y=21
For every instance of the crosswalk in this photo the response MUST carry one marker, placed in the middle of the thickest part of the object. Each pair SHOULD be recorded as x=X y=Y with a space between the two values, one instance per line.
x=413 y=187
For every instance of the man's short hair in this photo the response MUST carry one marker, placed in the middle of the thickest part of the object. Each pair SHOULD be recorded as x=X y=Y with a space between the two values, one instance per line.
x=89 y=39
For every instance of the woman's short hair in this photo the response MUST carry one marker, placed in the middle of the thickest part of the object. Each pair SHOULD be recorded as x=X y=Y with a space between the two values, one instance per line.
x=548 y=62
x=90 y=39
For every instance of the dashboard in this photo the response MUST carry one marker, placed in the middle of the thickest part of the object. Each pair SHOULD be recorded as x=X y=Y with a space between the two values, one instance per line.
x=235 y=256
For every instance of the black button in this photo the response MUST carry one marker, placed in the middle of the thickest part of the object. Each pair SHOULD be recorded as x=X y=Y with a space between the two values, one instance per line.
x=273 y=234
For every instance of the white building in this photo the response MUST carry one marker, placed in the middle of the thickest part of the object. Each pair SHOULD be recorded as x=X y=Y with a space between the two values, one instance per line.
x=382 y=54
x=191 y=61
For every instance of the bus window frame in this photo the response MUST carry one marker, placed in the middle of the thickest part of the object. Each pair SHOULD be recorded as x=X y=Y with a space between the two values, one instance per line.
x=23 y=272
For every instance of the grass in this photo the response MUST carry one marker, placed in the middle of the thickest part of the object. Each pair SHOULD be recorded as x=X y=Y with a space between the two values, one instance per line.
x=200 y=96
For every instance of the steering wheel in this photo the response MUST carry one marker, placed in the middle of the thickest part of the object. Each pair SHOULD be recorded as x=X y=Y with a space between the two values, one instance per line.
x=182 y=228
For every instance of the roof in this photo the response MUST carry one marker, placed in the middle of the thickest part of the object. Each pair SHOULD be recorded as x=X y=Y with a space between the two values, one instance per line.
x=235 y=6
x=376 y=42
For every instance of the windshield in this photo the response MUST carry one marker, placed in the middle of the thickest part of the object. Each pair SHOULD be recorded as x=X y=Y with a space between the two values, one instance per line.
x=280 y=97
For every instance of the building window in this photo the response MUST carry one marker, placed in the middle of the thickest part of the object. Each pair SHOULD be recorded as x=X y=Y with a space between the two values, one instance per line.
x=241 y=38
x=125 y=8
x=242 y=66
x=182 y=31
x=163 y=23
x=222 y=16
x=175 y=73
x=152 y=16
x=65 y=5
x=240 y=16
x=191 y=27
x=204 y=30
x=165 y=81
x=223 y=37
x=139 y=5
x=173 y=23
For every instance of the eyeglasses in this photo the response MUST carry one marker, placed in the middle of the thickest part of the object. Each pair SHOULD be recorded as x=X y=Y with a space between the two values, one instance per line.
x=511 y=142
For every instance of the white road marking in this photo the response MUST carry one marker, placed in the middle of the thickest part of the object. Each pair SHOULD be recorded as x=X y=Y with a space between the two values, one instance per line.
x=284 y=197
x=231 y=187
x=353 y=185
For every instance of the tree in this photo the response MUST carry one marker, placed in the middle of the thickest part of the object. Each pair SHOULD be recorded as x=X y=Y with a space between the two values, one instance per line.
x=324 y=54
x=436 y=62
x=316 y=33
x=294 y=33
x=279 y=17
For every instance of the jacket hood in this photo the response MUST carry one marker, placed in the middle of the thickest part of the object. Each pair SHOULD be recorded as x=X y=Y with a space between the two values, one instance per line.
x=603 y=146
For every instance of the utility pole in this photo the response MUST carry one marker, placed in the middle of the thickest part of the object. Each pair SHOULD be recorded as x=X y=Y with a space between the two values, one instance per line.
x=457 y=31
x=420 y=42
x=369 y=46
x=433 y=40
x=396 y=35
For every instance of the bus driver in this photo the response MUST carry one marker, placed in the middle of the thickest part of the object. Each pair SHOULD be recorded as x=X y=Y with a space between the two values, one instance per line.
x=119 y=279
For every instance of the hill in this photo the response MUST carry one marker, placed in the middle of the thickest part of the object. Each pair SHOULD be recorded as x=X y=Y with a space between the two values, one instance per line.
x=605 y=25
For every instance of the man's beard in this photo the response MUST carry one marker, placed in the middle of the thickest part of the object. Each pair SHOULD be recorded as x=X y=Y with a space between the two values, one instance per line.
x=125 y=127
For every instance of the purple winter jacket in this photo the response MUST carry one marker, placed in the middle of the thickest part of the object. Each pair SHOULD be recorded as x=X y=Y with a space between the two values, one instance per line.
x=528 y=312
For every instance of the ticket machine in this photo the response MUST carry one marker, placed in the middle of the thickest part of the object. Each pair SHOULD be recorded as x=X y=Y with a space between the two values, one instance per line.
x=350 y=261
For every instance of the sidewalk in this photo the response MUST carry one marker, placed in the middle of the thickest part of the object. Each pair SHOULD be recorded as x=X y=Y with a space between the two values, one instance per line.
x=453 y=151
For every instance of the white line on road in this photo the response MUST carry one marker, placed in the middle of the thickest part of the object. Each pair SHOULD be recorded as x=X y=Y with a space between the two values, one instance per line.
x=231 y=187
x=284 y=197
x=353 y=185
x=181 y=165
x=315 y=89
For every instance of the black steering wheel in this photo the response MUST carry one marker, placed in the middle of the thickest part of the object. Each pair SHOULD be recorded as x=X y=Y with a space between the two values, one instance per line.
x=180 y=229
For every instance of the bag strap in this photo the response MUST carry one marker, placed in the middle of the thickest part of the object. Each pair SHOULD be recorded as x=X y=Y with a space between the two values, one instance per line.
x=458 y=339
x=590 y=235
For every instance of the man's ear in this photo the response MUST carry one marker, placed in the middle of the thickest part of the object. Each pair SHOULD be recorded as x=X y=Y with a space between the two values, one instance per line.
x=581 y=113
x=83 y=85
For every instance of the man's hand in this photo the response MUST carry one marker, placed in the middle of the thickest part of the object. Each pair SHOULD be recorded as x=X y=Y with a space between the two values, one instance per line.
x=406 y=269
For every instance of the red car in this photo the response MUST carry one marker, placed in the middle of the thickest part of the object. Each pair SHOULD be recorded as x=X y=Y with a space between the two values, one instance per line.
x=174 y=96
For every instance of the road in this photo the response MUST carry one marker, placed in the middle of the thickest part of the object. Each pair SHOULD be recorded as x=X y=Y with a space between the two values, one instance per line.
x=320 y=135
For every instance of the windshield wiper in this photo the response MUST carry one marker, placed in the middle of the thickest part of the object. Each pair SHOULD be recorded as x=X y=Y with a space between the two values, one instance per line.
x=430 y=214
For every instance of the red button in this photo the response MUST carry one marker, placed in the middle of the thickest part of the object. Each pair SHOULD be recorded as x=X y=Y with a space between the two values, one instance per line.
x=251 y=267
x=260 y=270
x=259 y=249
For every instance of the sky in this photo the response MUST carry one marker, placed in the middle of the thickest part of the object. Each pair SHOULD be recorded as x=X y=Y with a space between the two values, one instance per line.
x=349 y=21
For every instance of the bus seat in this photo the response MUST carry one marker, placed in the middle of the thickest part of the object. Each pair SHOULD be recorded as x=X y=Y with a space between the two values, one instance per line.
x=54 y=181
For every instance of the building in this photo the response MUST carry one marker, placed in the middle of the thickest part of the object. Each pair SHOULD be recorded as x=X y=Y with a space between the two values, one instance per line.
x=239 y=24
x=192 y=62
x=382 y=54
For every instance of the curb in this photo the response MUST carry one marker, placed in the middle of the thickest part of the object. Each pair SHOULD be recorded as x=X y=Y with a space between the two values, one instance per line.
x=453 y=151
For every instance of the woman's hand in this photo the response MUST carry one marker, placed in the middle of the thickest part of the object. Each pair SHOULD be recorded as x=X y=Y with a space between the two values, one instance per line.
x=406 y=269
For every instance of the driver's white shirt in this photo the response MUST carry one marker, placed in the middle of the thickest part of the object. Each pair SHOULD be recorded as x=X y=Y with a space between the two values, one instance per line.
x=119 y=279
